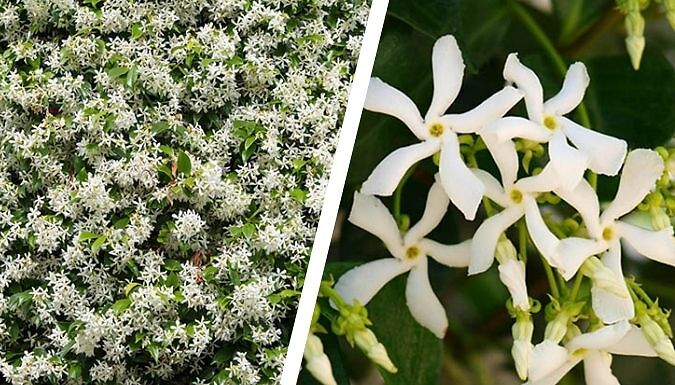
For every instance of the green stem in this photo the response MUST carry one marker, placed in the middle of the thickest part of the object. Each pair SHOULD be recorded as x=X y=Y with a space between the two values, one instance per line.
x=329 y=292
x=522 y=241
x=399 y=191
x=640 y=292
x=550 y=276
x=577 y=285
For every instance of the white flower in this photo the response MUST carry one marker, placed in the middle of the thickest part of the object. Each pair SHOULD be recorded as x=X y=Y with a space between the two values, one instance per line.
x=592 y=150
x=549 y=364
x=318 y=363
x=188 y=224
x=436 y=131
x=640 y=173
x=410 y=253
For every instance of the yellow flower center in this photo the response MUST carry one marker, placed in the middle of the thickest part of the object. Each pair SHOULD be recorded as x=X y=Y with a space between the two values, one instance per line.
x=516 y=196
x=550 y=122
x=436 y=129
x=607 y=233
x=412 y=252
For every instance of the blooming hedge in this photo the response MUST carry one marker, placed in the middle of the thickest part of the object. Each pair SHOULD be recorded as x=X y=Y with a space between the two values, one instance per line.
x=161 y=173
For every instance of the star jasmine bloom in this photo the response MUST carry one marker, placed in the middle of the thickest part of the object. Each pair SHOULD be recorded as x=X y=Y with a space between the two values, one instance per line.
x=436 y=132
x=594 y=349
x=592 y=150
x=640 y=172
x=410 y=253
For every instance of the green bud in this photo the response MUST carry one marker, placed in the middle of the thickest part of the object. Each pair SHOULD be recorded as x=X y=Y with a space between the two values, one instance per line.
x=557 y=329
x=436 y=158
x=635 y=45
x=318 y=364
x=505 y=250
x=366 y=341
x=660 y=220
x=603 y=277
x=655 y=335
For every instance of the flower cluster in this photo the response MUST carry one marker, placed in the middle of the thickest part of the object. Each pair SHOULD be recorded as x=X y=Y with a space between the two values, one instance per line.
x=622 y=319
x=162 y=166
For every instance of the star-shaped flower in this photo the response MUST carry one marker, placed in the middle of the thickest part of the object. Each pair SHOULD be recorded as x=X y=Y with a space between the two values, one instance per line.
x=436 y=131
x=410 y=253
x=640 y=172
x=592 y=150
x=549 y=362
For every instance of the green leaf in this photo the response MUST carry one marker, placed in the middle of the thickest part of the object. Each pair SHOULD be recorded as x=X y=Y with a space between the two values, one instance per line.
x=433 y=18
x=287 y=293
x=82 y=175
x=634 y=105
x=576 y=16
x=87 y=235
x=121 y=223
x=184 y=164
x=164 y=148
x=116 y=72
x=172 y=265
x=75 y=370
x=160 y=127
x=249 y=142
x=98 y=243
x=484 y=25
x=121 y=305
x=172 y=280
x=128 y=289
x=299 y=195
x=136 y=31
x=416 y=352
x=132 y=76
x=153 y=349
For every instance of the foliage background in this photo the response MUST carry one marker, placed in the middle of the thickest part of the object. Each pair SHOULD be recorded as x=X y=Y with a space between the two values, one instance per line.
x=634 y=105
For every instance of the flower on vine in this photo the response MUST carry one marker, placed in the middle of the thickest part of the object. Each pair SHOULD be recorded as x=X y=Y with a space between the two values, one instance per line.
x=410 y=252
x=436 y=131
x=594 y=349
x=592 y=150
x=640 y=172
x=318 y=363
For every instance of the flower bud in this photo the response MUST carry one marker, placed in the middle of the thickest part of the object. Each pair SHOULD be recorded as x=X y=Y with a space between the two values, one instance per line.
x=660 y=220
x=635 y=45
x=603 y=277
x=505 y=250
x=520 y=352
x=512 y=274
x=669 y=5
x=523 y=328
x=318 y=363
x=556 y=329
x=656 y=336
x=366 y=341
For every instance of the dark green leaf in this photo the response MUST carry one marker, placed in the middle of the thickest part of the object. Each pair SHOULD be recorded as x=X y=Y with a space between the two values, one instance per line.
x=121 y=223
x=184 y=164
x=433 y=18
x=484 y=25
x=75 y=370
x=576 y=16
x=132 y=76
x=172 y=265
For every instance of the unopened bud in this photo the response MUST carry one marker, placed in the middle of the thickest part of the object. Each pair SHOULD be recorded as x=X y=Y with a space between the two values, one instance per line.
x=603 y=277
x=318 y=364
x=366 y=341
x=523 y=328
x=520 y=352
x=556 y=329
x=512 y=274
x=635 y=45
x=656 y=336
x=505 y=250
x=660 y=220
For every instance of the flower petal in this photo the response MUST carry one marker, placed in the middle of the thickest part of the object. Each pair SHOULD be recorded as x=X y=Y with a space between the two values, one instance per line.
x=493 y=189
x=547 y=180
x=434 y=211
x=505 y=156
x=571 y=253
x=422 y=301
x=448 y=71
x=655 y=245
x=370 y=214
x=567 y=161
x=448 y=255
x=608 y=306
x=542 y=237
x=385 y=177
x=512 y=275
x=571 y=93
x=639 y=175
x=605 y=153
x=584 y=199
x=363 y=282
x=511 y=127
x=463 y=187
x=600 y=339
x=547 y=359
x=490 y=110
x=528 y=82
x=486 y=237
x=597 y=369
x=634 y=343
x=554 y=377
x=382 y=97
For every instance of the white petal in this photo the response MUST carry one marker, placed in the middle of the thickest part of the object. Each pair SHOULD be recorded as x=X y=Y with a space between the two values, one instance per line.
x=493 y=189
x=547 y=180
x=448 y=71
x=573 y=251
x=423 y=303
x=505 y=156
x=634 y=343
x=541 y=236
x=490 y=110
x=584 y=199
x=448 y=255
x=511 y=127
x=605 y=153
x=486 y=237
x=463 y=187
x=434 y=211
x=547 y=358
x=608 y=306
x=370 y=214
x=528 y=82
x=363 y=282
x=567 y=161
x=385 y=177
x=597 y=369
x=600 y=339
x=639 y=175
x=656 y=245
x=557 y=374
x=382 y=97
x=571 y=93
x=512 y=275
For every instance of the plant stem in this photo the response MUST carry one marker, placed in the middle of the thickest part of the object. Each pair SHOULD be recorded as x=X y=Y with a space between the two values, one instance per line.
x=551 y=278
x=399 y=191
x=522 y=241
x=640 y=292
x=577 y=285
x=329 y=292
